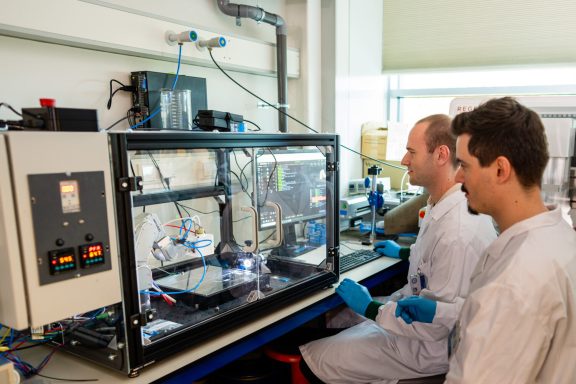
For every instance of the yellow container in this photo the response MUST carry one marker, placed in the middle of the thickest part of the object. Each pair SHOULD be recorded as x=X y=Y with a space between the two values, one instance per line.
x=374 y=140
x=394 y=174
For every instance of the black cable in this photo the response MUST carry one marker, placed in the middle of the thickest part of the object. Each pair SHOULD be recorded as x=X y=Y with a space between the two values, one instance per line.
x=62 y=379
x=196 y=210
x=266 y=239
x=254 y=124
x=123 y=87
x=10 y=108
x=256 y=96
x=12 y=125
x=269 y=178
x=184 y=208
x=109 y=104
x=163 y=181
x=119 y=121
x=295 y=119
x=134 y=175
x=37 y=344
x=251 y=196
x=157 y=166
x=242 y=176
x=241 y=187
x=373 y=159
x=240 y=168
x=33 y=115
x=132 y=169
x=269 y=236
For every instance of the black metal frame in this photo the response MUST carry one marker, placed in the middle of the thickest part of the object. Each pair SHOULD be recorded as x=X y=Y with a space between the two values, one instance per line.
x=121 y=143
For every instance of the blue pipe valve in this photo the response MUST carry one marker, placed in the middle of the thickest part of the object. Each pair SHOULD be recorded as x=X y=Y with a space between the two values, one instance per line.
x=375 y=198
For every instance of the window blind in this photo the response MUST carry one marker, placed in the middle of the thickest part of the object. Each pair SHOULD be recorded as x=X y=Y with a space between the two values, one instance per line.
x=420 y=34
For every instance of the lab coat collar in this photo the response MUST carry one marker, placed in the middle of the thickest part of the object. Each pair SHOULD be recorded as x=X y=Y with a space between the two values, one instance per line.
x=550 y=218
x=451 y=197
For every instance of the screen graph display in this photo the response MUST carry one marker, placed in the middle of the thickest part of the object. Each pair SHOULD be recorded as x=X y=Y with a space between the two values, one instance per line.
x=296 y=180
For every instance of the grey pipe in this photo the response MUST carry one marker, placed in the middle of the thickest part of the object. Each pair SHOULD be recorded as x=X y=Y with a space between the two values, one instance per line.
x=281 y=65
x=259 y=15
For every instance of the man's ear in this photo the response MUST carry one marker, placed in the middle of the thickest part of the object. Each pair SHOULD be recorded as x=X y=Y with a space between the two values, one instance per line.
x=443 y=154
x=503 y=169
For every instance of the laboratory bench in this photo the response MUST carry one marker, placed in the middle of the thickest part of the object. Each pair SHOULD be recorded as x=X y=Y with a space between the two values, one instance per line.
x=208 y=356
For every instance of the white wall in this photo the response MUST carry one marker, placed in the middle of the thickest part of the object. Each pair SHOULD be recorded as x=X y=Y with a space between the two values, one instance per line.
x=78 y=78
x=304 y=94
x=359 y=91
x=204 y=14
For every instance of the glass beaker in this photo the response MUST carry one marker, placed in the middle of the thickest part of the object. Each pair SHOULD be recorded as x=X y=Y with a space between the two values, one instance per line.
x=176 y=108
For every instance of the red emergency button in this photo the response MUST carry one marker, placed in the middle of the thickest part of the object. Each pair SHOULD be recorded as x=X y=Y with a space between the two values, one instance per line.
x=47 y=102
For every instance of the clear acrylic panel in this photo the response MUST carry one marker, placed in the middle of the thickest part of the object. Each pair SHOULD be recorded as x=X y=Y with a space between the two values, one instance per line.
x=216 y=230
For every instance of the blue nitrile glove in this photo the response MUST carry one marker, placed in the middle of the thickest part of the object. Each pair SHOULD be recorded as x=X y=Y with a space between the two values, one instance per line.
x=391 y=249
x=416 y=308
x=356 y=296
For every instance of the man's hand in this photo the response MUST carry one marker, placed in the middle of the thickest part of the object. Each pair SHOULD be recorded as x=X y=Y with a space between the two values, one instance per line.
x=391 y=249
x=416 y=308
x=356 y=296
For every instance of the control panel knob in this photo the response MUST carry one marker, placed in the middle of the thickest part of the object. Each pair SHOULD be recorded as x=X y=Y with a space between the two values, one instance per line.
x=59 y=242
x=89 y=237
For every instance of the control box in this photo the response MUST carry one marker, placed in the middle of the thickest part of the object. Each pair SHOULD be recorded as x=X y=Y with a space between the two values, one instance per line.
x=146 y=98
x=57 y=227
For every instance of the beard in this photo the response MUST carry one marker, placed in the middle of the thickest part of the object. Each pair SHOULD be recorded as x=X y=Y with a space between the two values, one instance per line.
x=471 y=210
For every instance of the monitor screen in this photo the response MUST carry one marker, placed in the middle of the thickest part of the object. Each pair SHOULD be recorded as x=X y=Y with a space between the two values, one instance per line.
x=296 y=180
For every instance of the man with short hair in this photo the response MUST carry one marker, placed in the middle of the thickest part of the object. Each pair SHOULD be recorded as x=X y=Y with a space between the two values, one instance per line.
x=518 y=323
x=384 y=348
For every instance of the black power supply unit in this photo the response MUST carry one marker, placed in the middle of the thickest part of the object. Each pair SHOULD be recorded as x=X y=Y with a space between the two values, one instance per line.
x=209 y=120
x=60 y=119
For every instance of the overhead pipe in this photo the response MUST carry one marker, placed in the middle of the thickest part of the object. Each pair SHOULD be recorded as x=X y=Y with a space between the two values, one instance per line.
x=258 y=14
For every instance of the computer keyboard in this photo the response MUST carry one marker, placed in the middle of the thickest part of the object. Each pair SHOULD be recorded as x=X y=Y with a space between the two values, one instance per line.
x=356 y=259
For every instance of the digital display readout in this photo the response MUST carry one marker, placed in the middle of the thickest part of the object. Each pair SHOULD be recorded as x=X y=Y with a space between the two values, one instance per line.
x=63 y=260
x=91 y=255
x=70 y=196
x=67 y=188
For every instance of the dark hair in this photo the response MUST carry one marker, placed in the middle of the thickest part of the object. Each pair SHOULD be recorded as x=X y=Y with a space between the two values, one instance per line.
x=504 y=127
x=438 y=133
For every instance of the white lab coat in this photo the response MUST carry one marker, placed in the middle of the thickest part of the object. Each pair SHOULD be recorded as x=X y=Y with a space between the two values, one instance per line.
x=448 y=246
x=518 y=324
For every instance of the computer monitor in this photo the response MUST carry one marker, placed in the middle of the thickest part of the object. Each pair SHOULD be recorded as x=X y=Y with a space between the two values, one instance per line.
x=293 y=178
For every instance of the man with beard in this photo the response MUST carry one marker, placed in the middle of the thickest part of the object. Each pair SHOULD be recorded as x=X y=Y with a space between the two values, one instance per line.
x=384 y=348
x=518 y=323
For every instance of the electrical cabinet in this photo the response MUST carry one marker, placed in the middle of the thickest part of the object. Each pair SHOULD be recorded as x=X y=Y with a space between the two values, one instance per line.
x=57 y=227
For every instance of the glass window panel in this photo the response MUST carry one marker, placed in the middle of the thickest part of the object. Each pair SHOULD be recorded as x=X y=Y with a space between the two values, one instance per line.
x=413 y=109
x=489 y=78
x=216 y=230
